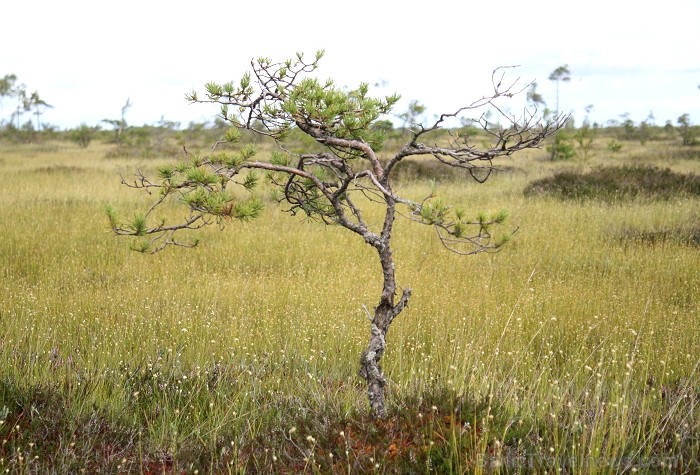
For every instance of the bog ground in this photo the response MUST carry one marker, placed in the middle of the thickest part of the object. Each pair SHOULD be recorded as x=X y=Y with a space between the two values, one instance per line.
x=575 y=348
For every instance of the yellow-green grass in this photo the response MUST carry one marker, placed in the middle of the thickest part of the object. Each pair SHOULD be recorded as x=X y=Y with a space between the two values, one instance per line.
x=578 y=347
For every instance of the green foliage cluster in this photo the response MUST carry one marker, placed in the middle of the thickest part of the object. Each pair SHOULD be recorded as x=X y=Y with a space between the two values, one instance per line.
x=83 y=134
x=561 y=147
x=342 y=114
x=437 y=212
x=643 y=132
x=410 y=117
x=614 y=146
x=688 y=133
x=616 y=183
x=319 y=105
x=584 y=137
x=205 y=194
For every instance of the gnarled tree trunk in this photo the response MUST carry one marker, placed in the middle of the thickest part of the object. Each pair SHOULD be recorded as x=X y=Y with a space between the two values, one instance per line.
x=384 y=314
x=370 y=368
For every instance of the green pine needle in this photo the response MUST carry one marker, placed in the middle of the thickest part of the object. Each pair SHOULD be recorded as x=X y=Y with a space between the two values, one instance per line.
x=251 y=180
x=111 y=215
x=248 y=210
x=139 y=225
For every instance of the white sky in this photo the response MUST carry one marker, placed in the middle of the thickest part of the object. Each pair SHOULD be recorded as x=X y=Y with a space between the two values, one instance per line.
x=86 y=57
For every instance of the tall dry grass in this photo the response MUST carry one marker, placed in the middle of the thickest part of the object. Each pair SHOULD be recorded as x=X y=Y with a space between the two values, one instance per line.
x=576 y=348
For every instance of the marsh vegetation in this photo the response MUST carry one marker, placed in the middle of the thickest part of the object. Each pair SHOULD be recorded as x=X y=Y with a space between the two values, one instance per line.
x=575 y=347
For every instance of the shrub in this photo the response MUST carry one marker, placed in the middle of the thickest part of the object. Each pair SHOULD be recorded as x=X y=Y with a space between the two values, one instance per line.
x=83 y=135
x=585 y=136
x=561 y=148
x=687 y=132
x=613 y=183
x=614 y=146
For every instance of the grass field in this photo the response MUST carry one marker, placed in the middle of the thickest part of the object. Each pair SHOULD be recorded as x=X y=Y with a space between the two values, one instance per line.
x=575 y=349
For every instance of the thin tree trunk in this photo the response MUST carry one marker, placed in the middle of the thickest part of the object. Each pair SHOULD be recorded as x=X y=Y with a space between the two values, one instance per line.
x=384 y=314
x=370 y=369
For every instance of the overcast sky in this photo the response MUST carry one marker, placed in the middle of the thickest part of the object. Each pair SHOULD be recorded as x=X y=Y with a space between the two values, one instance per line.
x=87 y=57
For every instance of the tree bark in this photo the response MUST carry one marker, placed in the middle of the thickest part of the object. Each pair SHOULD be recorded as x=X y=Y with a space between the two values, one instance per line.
x=370 y=369
x=384 y=314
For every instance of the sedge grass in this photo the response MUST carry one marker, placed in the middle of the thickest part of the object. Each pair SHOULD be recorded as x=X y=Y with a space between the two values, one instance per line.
x=573 y=348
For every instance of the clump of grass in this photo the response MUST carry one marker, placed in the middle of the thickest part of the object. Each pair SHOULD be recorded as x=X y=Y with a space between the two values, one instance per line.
x=685 y=236
x=59 y=169
x=40 y=433
x=616 y=183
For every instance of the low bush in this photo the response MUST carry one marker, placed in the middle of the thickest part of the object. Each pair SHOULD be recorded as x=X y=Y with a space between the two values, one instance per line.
x=615 y=183
x=561 y=148
x=413 y=170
